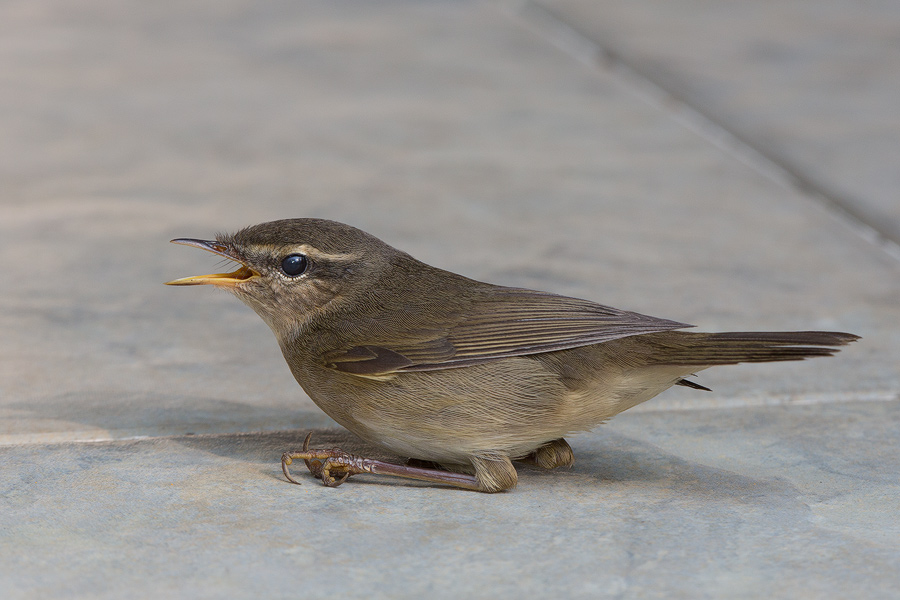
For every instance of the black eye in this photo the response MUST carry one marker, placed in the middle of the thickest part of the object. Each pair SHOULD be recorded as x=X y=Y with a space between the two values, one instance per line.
x=294 y=265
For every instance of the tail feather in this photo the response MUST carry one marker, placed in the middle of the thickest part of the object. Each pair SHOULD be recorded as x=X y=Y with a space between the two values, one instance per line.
x=692 y=384
x=710 y=349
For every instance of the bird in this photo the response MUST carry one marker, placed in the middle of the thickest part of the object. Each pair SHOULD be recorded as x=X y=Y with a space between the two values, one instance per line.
x=459 y=376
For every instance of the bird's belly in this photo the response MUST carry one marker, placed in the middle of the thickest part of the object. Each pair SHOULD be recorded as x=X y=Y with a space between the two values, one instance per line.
x=511 y=406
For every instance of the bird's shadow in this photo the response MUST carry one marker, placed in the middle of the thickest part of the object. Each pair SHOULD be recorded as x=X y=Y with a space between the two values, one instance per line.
x=607 y=460
x=603 y=458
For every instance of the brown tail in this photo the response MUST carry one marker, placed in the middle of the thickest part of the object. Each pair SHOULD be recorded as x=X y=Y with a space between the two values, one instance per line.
x=710 y=349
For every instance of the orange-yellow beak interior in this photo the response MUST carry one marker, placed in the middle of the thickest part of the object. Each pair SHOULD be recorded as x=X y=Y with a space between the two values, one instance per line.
x=220 y=279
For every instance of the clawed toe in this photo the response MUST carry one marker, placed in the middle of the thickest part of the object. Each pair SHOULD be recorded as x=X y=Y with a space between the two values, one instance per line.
x=330 y=481
x=314 y=466
x=322 y=463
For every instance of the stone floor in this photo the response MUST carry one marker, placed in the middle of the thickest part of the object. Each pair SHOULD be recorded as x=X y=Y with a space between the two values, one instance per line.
x=731 y=165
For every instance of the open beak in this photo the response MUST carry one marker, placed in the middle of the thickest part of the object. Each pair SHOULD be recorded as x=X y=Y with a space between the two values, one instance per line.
x=220 y=279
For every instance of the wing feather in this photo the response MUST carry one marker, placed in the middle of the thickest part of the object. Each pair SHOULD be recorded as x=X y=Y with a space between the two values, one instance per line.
x=503 y=323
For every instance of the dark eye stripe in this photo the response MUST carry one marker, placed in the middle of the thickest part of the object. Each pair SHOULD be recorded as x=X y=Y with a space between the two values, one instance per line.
x=294 y=265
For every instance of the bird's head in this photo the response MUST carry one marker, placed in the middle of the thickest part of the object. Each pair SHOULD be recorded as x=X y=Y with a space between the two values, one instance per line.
x=293 y=270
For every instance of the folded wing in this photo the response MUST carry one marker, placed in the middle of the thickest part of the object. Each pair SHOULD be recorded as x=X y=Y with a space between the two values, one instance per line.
x=502 y=323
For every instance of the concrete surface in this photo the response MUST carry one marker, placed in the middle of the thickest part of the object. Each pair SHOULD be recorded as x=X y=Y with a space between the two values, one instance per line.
x=813 y=85
x=141 y=426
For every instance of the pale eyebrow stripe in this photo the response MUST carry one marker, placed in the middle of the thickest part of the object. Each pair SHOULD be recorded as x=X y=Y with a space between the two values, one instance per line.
x=316 y=253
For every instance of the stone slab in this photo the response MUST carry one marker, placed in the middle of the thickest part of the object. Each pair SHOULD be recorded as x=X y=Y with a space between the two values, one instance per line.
x=780 y=502
x=812 y=85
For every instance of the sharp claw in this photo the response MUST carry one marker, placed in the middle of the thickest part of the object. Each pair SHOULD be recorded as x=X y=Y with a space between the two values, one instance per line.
x=314 y=467
x=285 y=461
x=332 y=482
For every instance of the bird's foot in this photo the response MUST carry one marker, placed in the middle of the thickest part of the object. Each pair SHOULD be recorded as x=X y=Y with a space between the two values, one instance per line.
x=324 y=464
x=334 y=466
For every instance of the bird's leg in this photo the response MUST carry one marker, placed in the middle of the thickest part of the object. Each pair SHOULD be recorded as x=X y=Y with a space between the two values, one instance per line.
x=424 y=464
x=326 y=463
x=551 y=455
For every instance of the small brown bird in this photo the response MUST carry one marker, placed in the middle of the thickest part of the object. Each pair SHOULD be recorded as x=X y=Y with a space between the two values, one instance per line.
x=446 y=370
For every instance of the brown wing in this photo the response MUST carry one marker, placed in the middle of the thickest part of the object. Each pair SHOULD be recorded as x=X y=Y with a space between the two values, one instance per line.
x=505 y=322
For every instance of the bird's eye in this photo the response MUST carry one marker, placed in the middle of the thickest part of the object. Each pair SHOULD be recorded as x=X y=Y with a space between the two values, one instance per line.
x=294 y=265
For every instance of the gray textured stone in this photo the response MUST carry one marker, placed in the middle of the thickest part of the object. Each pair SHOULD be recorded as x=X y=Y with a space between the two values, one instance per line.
x=737 y=503
x=454 y=131
x=813 y=85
